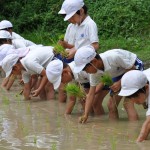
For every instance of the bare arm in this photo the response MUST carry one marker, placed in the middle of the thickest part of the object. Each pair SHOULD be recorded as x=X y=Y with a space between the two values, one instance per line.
x=145 y=130
x=42 y=84
x=88 y=104
x=27 y=90
x=95 y=45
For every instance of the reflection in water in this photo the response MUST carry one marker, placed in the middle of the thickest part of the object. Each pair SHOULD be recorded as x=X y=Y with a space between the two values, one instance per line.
x=42 y=125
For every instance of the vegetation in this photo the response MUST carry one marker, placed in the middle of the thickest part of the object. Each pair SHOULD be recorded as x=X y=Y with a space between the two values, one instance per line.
x=121 y=23
x=75 y=90
x=106 y=79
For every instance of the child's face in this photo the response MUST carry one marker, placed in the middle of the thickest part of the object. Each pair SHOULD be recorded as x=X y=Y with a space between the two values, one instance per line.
x=66 y=77
x=75 y=19
x=16 y=69
x=140 y=99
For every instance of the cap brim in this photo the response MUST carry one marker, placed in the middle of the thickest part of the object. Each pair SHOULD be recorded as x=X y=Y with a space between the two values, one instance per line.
x=125 y=92
x=56 y=84
x=77 y=69
x=8 y=73
x=69 y=15
x=62 y=11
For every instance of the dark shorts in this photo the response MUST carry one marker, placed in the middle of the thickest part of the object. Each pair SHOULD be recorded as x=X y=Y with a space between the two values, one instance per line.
x=64 y=59
x=138 y=65
x=86 y=85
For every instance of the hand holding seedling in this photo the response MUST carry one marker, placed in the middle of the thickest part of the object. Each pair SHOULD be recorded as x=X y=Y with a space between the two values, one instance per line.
x=35 y=93
x=71 y=53
x=83 y=119
x=116 y=86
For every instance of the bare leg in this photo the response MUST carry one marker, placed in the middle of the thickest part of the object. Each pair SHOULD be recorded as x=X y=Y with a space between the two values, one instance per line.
x=10 y=82
x=112 y=106
x=97 y=104
x=130 y=109
x=62 y=96
x=50 y=93
x=4 y=82
x=70 y=105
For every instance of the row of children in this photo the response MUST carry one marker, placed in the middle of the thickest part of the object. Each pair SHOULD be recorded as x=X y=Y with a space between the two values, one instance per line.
x=81 y=43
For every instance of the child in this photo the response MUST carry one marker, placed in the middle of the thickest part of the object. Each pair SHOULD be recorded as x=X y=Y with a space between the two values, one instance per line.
x=67 y=75
x=135 y=86
x=7 y=25
x=34 y=62
x=115 y=62
x=86 y=31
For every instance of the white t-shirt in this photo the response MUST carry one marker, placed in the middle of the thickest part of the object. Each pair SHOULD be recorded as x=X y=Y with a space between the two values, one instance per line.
x=81 y=77
x=147 y=73
x=86 y=33
x=36 y=60
x=4 y=48
x=115 y=62
x=19 y=43
x=70 y=34
x=16 y=36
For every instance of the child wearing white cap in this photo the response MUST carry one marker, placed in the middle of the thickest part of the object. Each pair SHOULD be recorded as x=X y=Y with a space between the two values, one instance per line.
x=135 y=86
x=7 y=25
x=86 y=31
x=65 y=74
x=34 y=62
x=115 y=62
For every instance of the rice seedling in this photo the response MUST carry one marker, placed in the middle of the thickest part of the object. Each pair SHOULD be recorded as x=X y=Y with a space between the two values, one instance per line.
x=29 y=108
x=54 y=146
x=5 y=100
x=113 y=143
x=75 y=90
x=35 y=140
x=58 y=49
x=61 y=37
x=106 y=79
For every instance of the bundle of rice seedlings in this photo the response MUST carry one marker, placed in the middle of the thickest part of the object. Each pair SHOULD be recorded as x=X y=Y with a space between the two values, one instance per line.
x=106 y=79
x=58 y=49
x=75 y=90
x=61 y=37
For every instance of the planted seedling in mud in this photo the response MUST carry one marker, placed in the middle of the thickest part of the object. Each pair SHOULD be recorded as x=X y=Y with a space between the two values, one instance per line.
x=24 y=129
x=29 y=108
x=75 y=90
x=18 y=98
x=61 y=37
x=35 y=140
x=54 y=147
x=58 y=49
x=106 y=79
x=113 y=143
x=5 y=100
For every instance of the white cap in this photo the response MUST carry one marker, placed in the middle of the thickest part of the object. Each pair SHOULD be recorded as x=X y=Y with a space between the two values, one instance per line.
x=71 y=7
x=54 y=71
x=83 y=56
x=5 y=35
x=62 y=11
x=8 y=62
x=131 y=82
x=21 y=52
x=5 y=24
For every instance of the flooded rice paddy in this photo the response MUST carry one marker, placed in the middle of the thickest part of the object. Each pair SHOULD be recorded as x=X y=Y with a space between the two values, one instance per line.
x=42 y=125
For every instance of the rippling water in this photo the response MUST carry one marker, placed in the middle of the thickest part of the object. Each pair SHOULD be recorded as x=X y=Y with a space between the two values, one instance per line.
x=36 y=124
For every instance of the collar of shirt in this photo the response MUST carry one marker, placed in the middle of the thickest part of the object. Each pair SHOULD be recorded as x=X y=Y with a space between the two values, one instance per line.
x=85 y=21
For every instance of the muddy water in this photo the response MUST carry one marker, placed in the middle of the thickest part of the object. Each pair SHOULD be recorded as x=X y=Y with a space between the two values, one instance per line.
x=36 y=124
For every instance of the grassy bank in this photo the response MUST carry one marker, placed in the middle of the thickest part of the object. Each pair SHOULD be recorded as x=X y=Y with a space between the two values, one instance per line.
x=137 y=45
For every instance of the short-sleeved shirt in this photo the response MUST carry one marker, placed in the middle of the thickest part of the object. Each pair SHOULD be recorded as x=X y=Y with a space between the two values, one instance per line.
x=4 y=48
x=19 y=43
x=36 y=60
x=70 y=34
x=87 y=33
x=81 y=77
x=116 y=62
x=147 y=73
x=16 y=36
